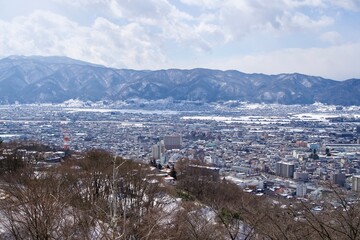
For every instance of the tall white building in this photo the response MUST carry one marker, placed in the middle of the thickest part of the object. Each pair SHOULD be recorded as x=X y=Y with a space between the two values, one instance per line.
x=301 y=189
x=158 y=150
x=356 y=183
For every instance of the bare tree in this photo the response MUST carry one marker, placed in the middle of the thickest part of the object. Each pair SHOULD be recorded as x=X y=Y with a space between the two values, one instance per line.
x=338 y=217
x=36 y=207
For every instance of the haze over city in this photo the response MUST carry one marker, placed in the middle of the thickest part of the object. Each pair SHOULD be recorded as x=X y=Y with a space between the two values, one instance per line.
x=314 y=37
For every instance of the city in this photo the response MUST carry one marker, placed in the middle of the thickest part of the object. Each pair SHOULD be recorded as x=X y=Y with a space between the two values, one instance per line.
x=287 y=150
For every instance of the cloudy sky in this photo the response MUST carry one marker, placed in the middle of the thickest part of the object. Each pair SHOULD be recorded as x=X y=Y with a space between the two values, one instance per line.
x=317 y=37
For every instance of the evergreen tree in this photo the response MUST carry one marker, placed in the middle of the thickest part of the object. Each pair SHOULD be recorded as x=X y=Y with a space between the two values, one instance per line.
x=173 y=172
x=327 y=151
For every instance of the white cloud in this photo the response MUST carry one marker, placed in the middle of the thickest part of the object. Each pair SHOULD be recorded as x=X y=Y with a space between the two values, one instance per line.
x=81 y=3
x=168 y=22
x=351 y=5
x=145 y=33
x=45 y=33
x=211 y=4
x=294 y=21
x=240 y=18
x=336 y=62
x=304 y=3
x=331 y=37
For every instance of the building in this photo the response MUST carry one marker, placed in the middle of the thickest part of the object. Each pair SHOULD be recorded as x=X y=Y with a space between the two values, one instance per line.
x=356 y=183
x=301 y=189
x=172 y=142
x=338 y=178
x=285 y=169
x=301 y=176
x=313 y=146
x=243 y=169
x=343 y=147
x=158 y=150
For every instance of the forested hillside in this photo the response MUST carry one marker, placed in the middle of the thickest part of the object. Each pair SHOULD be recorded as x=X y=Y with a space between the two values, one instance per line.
x=94 y=195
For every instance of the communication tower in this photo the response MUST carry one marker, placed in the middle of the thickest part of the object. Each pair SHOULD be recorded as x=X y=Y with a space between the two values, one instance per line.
x=66 y=139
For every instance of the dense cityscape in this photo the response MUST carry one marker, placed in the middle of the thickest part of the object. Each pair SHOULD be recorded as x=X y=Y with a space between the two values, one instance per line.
x=287 y=150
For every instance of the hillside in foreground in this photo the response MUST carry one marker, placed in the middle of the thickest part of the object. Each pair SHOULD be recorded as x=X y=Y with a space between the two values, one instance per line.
x=94 y=195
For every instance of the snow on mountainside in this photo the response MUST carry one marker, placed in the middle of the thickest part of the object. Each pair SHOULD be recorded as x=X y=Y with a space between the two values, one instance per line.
x=58 y=79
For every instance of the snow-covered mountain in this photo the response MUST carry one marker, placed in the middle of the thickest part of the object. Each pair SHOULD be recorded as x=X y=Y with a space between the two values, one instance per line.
x=57 y=79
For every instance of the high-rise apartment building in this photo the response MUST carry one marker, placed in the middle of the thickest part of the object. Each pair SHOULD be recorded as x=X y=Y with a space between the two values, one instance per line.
x=338 y=178
x=158 y=150
x=172 y=142
x=301 y=189
x=285 y=169
x=356 y=183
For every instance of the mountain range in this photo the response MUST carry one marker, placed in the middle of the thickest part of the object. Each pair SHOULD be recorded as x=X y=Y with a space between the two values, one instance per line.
x=39 y=79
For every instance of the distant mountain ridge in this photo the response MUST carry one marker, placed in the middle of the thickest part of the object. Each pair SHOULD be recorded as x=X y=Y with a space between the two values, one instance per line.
x=56 y=79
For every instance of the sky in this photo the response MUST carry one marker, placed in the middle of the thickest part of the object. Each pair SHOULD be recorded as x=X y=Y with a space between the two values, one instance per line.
x=315 y=37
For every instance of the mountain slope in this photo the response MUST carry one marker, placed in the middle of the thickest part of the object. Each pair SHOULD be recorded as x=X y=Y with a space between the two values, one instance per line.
x=57 y=79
